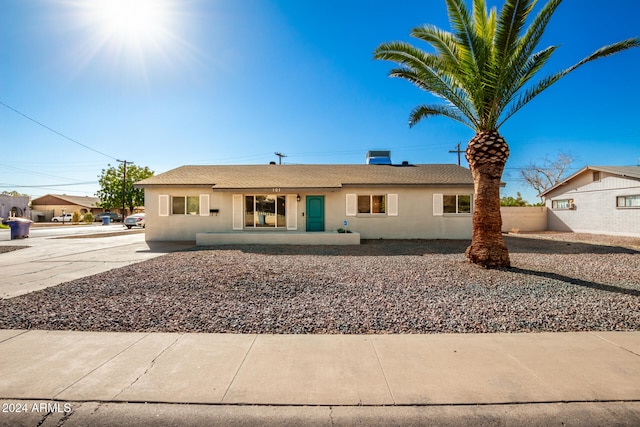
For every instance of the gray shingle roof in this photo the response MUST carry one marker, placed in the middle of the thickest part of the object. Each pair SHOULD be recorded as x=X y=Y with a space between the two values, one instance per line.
x=310 y=176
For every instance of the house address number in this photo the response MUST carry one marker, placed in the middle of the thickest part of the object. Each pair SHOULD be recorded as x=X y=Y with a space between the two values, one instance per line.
x=276 y=190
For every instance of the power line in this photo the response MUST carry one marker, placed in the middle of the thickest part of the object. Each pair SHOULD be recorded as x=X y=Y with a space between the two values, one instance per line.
x=56 y=132
x=33 y=172
x=2 y=185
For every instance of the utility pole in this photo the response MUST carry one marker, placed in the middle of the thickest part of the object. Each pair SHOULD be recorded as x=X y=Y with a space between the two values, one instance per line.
x=457 y=150
x=280 y=156
x=124 y=185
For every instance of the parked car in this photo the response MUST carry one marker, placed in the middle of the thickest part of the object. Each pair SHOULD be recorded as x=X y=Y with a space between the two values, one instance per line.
x=135 y=220
x=62 y=218
x=114 y=216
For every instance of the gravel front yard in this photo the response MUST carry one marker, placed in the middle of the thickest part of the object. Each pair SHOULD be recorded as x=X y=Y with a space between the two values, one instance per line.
x=378 y=287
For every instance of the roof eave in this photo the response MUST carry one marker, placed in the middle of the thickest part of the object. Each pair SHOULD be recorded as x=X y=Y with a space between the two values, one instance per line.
x=584 y=169
x=276 y=189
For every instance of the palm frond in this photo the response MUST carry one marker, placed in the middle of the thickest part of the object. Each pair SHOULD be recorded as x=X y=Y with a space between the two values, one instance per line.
x=429 y=72
x=462 y=23
x=511 y=20
x=440 y=86
x=484 y=24
x=521 y=52
x=549 y=80
x=424 y=111
x=442 y=41
x=405 y=54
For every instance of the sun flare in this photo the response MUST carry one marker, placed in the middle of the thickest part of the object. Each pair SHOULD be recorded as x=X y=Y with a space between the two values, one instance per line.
x=131 y=20
x=130 y=37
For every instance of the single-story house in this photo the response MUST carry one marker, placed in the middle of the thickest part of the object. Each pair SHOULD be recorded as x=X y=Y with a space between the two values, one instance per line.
x=45 y=207
x=596 y=199
x=302 y=203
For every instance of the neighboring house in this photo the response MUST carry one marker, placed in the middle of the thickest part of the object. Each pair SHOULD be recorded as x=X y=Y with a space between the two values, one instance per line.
x=14 y=206
x=292 y=203
x=596 y=199
x=46 y=207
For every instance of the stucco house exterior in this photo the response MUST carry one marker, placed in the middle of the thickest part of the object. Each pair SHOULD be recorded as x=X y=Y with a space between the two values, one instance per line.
x=45 y=207
x=306 y=203
x=14 y=206
x=596 y=199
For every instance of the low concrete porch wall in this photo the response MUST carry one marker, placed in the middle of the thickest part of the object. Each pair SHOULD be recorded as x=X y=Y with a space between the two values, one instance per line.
x=277 y=238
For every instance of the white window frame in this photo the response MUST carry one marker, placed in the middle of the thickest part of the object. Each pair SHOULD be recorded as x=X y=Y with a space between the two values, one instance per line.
x=371 y=196
x=457 y=196
x=165 y=205
x=276 y=226
x=390 y=203
x=438 y=204
x=562 y=204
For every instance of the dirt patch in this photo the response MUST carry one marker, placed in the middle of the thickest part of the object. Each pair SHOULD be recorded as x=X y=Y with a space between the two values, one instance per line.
x=6 y=249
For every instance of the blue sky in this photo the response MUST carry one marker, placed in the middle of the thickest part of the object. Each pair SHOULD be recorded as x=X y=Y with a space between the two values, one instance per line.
x=232 y=82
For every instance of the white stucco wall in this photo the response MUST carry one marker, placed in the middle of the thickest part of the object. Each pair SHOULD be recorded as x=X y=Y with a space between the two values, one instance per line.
x=21 y=203
x=595 y=206
x=415 y=219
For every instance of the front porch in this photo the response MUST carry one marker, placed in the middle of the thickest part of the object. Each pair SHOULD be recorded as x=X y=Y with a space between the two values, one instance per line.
x=276 y=238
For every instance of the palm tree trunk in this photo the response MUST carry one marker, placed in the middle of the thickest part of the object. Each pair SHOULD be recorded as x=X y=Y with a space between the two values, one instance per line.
x=487 y=154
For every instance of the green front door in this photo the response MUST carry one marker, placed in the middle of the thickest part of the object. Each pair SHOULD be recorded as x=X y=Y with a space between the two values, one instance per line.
x=315 y=213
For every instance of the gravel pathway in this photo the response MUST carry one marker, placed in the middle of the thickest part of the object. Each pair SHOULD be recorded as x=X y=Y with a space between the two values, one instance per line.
x=379 y=287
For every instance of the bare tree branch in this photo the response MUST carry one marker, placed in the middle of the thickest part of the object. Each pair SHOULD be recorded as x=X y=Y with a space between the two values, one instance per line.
x=544 y=175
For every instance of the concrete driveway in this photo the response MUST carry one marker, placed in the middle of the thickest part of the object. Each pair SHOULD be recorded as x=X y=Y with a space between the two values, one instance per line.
x=50 y=260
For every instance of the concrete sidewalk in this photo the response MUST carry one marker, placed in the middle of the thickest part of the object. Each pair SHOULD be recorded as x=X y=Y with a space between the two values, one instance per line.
x=535 y=377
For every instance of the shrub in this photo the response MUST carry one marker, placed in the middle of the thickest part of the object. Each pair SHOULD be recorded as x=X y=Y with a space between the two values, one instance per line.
x=75 y=217
x=88 y=218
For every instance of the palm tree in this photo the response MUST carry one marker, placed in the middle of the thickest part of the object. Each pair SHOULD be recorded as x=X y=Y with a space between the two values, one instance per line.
x=483 y=70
